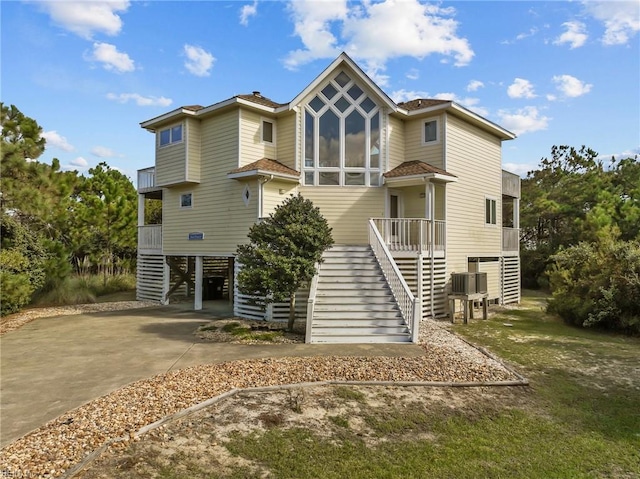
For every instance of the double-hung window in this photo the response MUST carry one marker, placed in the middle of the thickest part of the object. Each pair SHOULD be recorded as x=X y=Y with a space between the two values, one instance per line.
x=268 y=131
x=490 y=211
x=171 y=135
x=430 y=133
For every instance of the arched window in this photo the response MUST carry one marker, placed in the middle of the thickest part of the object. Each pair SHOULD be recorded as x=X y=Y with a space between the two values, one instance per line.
x=342 y=136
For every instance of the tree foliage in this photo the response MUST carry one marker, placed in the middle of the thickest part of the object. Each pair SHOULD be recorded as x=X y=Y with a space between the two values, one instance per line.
x=283 y=252
x=575 y=197
x=598 y=284
x=68 y=217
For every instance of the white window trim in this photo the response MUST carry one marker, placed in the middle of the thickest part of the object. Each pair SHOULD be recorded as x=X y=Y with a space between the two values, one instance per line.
x=171 y=143
x=180 y=201
x=495 y=202
x=433 y=142
x=273 y=131
x=341 y=169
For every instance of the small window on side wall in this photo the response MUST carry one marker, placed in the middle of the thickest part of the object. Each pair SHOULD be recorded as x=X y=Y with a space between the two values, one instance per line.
x=430 y=134
x=186 y=200
x=171 y=135
x=490 y=211
x=267 y=131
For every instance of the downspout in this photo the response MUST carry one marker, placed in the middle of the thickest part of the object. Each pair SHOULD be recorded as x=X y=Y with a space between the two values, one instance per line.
x=263 y=180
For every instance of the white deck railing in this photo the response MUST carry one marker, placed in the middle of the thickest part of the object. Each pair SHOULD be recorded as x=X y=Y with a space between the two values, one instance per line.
x=146 y=178
x=412 y=234
x=510 y=239
x=409 y=305
x=150 y=237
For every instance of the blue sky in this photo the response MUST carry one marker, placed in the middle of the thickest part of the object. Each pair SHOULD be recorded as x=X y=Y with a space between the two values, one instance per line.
x=552 y=72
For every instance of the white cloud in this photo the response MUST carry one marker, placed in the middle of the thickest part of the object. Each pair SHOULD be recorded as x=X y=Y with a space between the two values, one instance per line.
x=621 y=19
x=248 y=11
x=199 y=61
x=474 y=85
x=467 y=102
x=375 y=32
x=575 y=35
x=570 y=86
x=81 y=162
x=551 y=97
x=524 y=120
x=413 y=74
x=400 y=96
x=56 y=140
x=84 y=18
x=521 y=88
x=139 y=99
x=103 y=152
x=111 y=58
x=520 y=169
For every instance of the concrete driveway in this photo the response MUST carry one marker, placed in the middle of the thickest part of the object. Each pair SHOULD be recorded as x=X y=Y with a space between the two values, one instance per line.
x=52 y=365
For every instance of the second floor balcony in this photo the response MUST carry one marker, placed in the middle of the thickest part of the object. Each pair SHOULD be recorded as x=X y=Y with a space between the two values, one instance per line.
x=150 y=238
x=147 y=179
x=510 y=239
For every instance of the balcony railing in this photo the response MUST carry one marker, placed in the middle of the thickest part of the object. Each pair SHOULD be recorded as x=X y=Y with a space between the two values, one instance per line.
x=412 y=234
x=150 y=237
x=510 y=184
x=510 y=239
x=146 y=179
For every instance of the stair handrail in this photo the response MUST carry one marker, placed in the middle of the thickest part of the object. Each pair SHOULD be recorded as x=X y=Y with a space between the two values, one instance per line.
x=311 y=301
x=409 y=305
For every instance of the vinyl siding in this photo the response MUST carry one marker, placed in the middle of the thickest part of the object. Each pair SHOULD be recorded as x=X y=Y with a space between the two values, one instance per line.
x=286 y=141
x=218 y=208
x=271 y=196
x=348 y=210
x=194 y=144
x=252 y=148
x=170 y=163
x=414 y=206
x=415 y=150
x=396 y=142
x=474 y=156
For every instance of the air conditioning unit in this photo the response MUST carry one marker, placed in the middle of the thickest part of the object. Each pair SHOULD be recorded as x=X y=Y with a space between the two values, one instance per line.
x=468 y=283
x=463 y=283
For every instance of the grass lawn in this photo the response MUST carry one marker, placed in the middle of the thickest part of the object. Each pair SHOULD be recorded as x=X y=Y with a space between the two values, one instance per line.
x=579 y=418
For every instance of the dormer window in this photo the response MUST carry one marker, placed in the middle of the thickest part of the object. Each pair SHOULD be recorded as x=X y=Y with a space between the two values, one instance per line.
x=171 y=135
x=342 y=136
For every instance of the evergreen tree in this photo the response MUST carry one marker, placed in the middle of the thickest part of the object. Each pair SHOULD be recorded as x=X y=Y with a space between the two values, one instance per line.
x=283 y=252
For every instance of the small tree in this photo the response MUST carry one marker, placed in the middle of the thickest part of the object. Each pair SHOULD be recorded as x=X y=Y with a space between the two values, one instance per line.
x=283 y=252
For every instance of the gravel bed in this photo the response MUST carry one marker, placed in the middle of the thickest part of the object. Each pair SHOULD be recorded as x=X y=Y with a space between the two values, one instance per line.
x=60 y=444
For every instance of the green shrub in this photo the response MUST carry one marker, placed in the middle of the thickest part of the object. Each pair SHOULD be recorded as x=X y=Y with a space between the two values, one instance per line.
x=598 y=284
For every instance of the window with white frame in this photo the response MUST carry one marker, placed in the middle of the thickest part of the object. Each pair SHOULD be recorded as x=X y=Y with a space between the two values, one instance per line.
x=490 y=211
x=430 y=132
x=186 y=200
x=342 y=136
x=171 y=135
x=268 y=131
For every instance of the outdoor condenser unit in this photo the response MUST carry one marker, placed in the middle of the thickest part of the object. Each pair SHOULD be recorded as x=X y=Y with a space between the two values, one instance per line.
x=468 y=283
x=463 y=283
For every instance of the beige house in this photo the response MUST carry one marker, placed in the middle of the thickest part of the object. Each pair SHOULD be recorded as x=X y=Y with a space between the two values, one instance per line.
x=414 y=192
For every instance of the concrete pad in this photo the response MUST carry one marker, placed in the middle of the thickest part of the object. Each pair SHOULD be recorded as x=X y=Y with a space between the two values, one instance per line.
x=52 y=365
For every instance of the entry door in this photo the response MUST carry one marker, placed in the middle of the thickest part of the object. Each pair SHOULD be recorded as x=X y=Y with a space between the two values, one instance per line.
x=395 y=212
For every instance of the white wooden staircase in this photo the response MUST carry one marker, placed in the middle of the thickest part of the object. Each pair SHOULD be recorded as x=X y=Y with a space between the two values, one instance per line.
x=353 y=302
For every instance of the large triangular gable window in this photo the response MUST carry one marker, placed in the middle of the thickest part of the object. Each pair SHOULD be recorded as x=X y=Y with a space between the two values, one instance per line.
x=342 y=136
